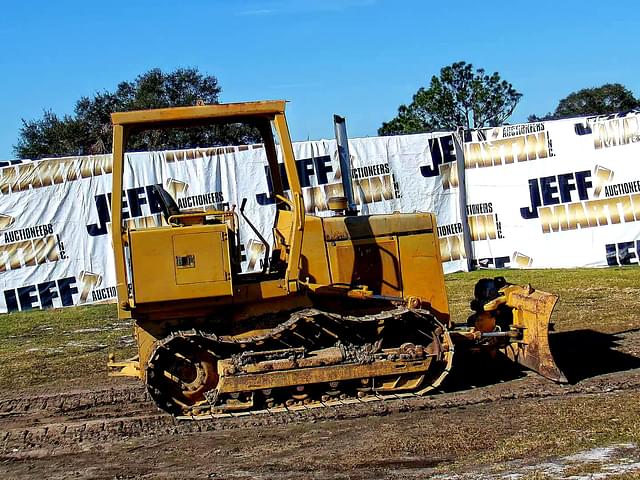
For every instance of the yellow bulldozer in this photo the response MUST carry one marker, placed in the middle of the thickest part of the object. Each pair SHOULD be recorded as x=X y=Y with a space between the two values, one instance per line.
x=345 y=306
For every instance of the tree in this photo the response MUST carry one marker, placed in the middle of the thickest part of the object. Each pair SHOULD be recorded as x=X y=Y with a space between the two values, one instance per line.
x=609 y=98
x=88 y=130
x=459 y=97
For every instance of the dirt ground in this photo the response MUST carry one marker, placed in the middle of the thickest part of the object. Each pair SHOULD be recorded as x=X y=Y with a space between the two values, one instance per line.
x=491 y=420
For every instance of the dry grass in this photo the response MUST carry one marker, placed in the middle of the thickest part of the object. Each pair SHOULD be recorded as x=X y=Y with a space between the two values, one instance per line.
x=59 y=345
x=603 y=299
x=523 y=436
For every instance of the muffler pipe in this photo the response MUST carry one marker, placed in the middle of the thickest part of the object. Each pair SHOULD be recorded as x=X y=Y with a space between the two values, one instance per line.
x=342 y=140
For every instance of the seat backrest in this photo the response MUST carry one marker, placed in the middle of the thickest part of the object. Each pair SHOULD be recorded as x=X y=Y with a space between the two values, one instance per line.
x=168 y=205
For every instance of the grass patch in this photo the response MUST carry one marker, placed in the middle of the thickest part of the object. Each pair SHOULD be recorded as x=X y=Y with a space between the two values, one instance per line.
x=602 y=299
x=625 y=476
x=586 y=423
x=522 y=436
x=65 y=345
x=47 y=347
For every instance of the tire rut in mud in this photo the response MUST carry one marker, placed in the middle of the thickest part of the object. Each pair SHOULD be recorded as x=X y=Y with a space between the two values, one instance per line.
x=80 y=420
x=65 y=403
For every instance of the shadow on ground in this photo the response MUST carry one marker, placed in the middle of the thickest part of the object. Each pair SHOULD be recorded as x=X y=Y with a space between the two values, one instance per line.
x=580 y=354
x=472 y=370
x=583 y=354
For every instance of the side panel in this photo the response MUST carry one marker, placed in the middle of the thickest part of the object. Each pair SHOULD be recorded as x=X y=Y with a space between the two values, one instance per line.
x=212 y=263
x=422 y=274
x=396 y=255
x=171 y=264
x=372 y=262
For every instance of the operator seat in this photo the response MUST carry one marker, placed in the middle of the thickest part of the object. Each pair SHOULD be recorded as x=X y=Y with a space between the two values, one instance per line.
x=168 y=205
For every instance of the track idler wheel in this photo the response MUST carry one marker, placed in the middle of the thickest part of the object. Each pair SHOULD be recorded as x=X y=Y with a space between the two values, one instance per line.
x=181 y=373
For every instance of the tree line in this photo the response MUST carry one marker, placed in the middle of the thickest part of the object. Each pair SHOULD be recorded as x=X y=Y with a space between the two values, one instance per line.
x=88 y=130
x=463 y=97
x=460 y=96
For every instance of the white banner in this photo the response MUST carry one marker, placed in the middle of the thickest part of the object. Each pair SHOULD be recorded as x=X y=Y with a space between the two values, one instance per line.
x=55 y=213
x=552 y=194
x=556 y=194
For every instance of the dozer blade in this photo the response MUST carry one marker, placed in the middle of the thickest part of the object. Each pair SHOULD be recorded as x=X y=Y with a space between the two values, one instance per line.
x=531 y=316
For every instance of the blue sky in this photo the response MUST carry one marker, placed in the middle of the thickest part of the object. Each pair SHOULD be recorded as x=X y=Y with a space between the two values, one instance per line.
x=358 y=58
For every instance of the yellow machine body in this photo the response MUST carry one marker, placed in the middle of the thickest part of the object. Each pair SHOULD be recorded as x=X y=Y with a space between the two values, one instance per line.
x=392 y=255
x=170 y=264
x=345 y=304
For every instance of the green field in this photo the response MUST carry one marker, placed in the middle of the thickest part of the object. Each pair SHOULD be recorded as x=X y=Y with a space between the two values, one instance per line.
x=70 y=346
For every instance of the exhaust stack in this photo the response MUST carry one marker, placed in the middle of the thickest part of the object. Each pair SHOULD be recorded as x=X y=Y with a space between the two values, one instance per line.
x=342 y=140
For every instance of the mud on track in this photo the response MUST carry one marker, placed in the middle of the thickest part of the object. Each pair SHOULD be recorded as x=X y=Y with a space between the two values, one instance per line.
x=69 y=431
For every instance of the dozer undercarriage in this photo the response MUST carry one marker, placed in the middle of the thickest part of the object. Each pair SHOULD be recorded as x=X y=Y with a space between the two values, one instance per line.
x=313 y=356
x=347 y=306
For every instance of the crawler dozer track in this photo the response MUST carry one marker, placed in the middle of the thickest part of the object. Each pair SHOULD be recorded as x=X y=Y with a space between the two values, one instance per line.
x=312 y=357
